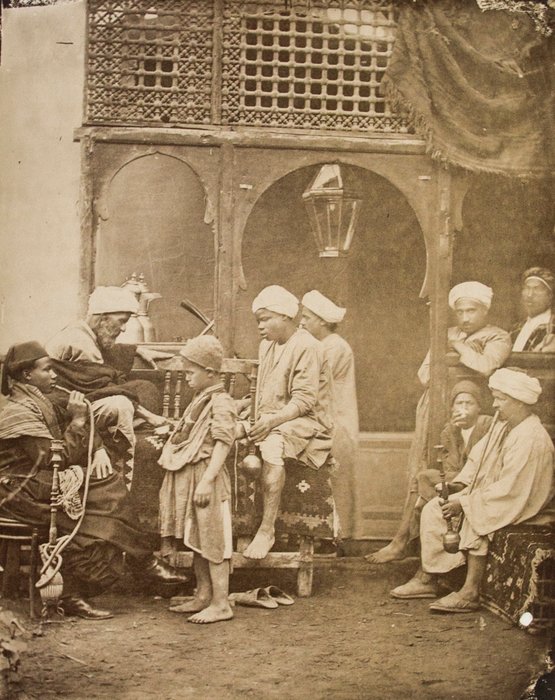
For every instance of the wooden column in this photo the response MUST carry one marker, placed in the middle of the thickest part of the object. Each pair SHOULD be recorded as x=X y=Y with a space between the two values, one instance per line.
x=226 y=254
x=86 y=207
x=446 y=220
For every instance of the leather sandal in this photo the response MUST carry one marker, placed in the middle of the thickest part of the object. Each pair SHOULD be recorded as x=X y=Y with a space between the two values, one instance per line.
x=73 y=606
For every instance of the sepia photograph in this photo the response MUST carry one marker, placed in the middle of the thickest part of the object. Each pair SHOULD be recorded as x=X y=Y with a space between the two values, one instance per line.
x=277 y=349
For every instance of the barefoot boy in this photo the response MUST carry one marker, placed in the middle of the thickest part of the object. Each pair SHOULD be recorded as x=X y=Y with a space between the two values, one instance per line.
x=195 y=493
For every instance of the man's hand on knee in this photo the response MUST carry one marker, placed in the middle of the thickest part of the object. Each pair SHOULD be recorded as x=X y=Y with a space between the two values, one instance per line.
x=101 y=465
x=262 y=428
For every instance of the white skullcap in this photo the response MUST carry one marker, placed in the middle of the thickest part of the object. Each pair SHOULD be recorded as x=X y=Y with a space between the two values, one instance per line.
x=471 y=290
x=516 y=384
x=112 y=300
x=276 y=299
x=323 y=307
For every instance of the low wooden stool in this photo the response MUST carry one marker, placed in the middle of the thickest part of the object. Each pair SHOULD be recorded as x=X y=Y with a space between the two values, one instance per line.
x=14 y=535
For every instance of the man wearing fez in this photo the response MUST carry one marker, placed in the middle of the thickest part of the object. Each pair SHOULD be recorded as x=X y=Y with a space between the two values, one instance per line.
x=292 y=403
x=482 y=348
x=507 y=479
x=29 y=423
x=537 y=333
x=465 y=428
x=87 y=359
x=320 y=316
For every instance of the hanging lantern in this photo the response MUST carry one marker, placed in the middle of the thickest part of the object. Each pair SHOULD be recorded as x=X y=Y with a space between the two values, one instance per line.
x=333 y=204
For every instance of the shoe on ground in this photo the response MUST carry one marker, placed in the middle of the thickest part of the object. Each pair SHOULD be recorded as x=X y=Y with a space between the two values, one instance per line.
x=78 y=607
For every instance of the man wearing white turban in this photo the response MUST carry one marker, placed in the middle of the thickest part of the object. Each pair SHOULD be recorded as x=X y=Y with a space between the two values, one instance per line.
x=482 y=348
x=508 y=478
x=293 y=412
x=320 y=317
x=87 y=359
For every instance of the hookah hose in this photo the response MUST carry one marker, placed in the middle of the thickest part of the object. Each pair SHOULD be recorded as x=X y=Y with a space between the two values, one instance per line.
x=54 y=559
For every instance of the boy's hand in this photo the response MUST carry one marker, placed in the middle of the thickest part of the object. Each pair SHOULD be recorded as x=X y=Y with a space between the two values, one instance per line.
x=451 y=509
x=261 y=429
x=76 y=406
x=202 y=495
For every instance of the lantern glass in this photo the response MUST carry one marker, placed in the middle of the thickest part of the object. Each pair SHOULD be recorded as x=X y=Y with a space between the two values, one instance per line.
x=333 y=207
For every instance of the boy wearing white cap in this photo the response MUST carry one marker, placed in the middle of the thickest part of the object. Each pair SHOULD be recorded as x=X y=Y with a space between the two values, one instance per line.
x=320 y=317
x=508 y=478
x=292 y=403
x=482 y=348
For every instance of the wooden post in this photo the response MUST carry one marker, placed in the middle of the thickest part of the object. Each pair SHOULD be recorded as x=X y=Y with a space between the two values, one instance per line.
x=447 y=219
x=226 y=266
x=306 y=567
x=86 y=208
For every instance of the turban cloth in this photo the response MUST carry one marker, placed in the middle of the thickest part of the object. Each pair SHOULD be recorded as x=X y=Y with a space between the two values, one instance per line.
x=323 y=307
x=112 y=300
x=467 y=387
x=542 y=275
x=205 y=351
x=276 y=299
x=18 y=357
x=471 y=290
x=516 y=384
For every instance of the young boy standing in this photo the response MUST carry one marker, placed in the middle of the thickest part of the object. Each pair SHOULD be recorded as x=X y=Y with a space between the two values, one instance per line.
x=196 y=491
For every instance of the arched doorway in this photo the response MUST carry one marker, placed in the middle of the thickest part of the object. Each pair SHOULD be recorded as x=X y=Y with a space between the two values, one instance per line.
x=155 y=210
x=379 y=283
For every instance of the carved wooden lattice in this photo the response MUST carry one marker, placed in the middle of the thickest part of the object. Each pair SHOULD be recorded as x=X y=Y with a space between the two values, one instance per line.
x=301 y=64
x=317 y=65
x=150 y=62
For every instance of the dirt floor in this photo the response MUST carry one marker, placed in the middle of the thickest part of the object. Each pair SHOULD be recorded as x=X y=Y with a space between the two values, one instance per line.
x=349 y=640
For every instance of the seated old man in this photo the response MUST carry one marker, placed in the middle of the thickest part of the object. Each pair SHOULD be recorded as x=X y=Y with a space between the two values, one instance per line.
x=537 y=333
x=292 y=403
x=87 y=359
x=29 y=423
x=507 y=479
x=320 y=317
x=482 y=348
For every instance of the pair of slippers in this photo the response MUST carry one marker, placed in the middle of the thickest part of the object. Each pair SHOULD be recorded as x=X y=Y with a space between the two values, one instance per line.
x=270 y=597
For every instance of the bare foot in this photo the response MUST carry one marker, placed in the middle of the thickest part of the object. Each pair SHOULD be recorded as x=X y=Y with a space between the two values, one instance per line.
x=259 y=547
x=212 y=613
x=391 y=552
x=191 y=606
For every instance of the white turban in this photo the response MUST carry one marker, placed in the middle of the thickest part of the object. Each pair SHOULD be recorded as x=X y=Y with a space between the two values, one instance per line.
x=276 y=299
x=323 y=307
x=471 y=290
x=516 y=384
x=112 y=300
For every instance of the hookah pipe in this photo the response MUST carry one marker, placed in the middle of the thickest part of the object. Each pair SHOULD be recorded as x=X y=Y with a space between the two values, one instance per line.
x=51 y=583
x=451 y=539
x=252 y=463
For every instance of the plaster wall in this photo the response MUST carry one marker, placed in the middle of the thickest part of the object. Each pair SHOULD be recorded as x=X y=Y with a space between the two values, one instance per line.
x=41 y=98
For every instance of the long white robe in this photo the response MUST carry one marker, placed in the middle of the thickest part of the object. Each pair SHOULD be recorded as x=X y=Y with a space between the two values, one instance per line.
x=345 y=433
x=508 y=481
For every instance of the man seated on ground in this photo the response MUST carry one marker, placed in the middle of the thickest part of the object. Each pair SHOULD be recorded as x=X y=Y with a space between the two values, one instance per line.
x=320 y=317
x=292 y=403
x=29 y=423
x=507 y=479
x=482 y=348
x=537 y=333
x=465 y=428
x=87 y=359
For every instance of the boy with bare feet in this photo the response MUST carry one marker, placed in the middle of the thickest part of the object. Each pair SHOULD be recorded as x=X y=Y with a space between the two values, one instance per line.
x=196 y=491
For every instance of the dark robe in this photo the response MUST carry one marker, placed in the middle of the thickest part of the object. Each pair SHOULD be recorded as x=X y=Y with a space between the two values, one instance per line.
x=93 y=560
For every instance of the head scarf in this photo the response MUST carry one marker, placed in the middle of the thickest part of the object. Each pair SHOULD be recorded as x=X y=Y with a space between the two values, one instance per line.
x=205 y=351
x=19 y=357
x=112 y=300
x=517 y=384
x=323 y=307
x=276 y=299
x=541 y=274
x=471 y=290
x=467 y=387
